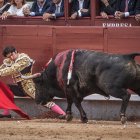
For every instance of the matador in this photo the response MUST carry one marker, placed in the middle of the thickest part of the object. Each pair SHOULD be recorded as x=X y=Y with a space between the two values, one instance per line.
x=17 y=64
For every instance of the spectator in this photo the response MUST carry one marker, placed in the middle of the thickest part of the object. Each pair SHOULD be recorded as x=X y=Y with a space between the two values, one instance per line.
x=4 y=6
x=70 y=1
x=137 y=17
x=16 y=9
x=108 y=7
x=38 y=8
x=56 y=10
x=16 y=64
x=125 y=8
x=80 y=8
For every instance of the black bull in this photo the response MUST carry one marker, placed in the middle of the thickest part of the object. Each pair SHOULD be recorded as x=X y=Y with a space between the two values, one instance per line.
x=93 y=72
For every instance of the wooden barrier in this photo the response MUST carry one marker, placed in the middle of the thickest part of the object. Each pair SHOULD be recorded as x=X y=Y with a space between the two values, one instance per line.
x=42 y=42
x=78 y=37
x=87 y=21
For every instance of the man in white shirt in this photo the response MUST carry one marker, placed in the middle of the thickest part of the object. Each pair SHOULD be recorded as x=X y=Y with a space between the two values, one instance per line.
x=80 y=8
x=125 y=8
x=38 y=8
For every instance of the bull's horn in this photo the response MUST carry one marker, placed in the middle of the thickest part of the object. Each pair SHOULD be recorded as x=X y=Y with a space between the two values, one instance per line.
x=30 y=76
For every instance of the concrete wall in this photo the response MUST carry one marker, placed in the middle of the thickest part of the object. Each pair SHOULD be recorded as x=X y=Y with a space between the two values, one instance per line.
x=95 y=106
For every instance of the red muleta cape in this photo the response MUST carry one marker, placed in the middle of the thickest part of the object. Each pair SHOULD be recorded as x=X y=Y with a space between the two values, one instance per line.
x=7 y=100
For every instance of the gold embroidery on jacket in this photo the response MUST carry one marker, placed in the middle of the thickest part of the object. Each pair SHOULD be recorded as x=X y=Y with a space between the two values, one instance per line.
x=14 y=68
x=29 y=87
x=21 y=63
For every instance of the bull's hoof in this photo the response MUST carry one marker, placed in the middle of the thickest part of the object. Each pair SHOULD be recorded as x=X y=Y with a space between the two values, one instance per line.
x=84 y=120
x=69 y=117
x=123 y=119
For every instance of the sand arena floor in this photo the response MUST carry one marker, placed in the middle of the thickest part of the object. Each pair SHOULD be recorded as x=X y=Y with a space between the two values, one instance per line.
x=55 y=129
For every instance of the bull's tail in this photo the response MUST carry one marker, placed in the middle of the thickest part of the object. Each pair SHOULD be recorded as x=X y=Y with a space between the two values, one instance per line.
x=132 y=55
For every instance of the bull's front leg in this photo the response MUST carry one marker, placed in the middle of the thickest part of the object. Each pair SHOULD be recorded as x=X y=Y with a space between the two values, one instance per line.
x=72 y=91
x=81 y=110
x=77 y=100
x=69 y=116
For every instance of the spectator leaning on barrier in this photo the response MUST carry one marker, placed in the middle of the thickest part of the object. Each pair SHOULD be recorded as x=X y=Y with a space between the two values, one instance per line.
x=38 y=8
x=137 y=17
x=55 y=10
x=17 y=64
x=125 y=8
x=80 y=8
x=16 y=9
x=4 y=6
x=108 y=7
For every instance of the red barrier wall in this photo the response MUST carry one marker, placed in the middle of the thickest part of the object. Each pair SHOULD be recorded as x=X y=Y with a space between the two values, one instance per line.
x=42 y=42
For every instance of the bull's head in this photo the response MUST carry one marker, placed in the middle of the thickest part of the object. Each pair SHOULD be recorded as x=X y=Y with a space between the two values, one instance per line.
x=40 y=80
